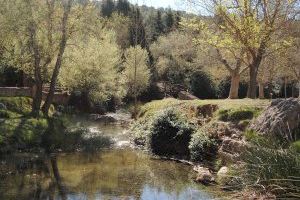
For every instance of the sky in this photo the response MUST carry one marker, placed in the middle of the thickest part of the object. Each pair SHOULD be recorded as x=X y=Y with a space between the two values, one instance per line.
x=174 y=4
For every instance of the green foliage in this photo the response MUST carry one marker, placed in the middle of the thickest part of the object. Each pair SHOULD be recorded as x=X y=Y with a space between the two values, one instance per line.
x=136 y=75
x=296 y=146
x=8 y=114
x=202 y=147
x=276 y=170
x=202 y=85
x=170 y=134
x=244 y=113
x=92 y=68
x=22 y=133
x=21 y=105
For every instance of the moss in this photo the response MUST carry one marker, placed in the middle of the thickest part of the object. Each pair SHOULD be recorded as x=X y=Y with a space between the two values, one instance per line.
x=240 y=114
x=295 y=146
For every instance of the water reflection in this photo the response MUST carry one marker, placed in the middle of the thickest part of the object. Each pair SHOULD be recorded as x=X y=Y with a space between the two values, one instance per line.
x=108 y=175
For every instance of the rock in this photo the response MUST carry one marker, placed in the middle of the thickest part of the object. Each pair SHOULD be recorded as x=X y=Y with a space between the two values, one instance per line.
x=182 y=95
x=281 y=118
x=3 y=106
x=204 y=175
x=234 y=146
x=106 y=119
x=223 y=171
x=207 y=110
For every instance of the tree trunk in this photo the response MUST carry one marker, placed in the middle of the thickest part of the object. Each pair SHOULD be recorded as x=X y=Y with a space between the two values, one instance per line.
x=234 y=87
x=62 y=47
x=252 y=82
x=261 y=90
x=285 y=87
x=37 y=99
x=299 y=90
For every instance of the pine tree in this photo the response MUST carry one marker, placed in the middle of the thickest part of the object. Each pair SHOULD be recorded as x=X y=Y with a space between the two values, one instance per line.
x=158 y=26
x=107 y=8
x=123 y=7
x=177 y=20
x=169 y=21
x=137 y=30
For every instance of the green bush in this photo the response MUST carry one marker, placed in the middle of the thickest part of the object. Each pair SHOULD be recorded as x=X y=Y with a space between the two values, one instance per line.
x=238 y=114
x=202 y=85
x=202 y=147
x=170 y=134
x=22 y=133
x=21 y=105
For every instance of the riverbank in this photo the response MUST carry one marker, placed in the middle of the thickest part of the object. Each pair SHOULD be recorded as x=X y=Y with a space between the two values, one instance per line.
x=215 y=135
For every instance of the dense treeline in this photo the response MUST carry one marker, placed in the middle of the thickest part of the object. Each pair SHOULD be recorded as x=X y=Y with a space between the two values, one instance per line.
x=101 y=49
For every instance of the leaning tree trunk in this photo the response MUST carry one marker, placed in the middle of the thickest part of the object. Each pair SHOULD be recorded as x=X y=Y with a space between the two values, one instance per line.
x=234 y=87
x=261 y=90
x=62 y=47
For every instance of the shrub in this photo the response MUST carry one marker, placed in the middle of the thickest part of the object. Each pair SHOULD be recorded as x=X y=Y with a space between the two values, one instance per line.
x=22 y=133
x=21 y=105
x=202 y=147
x=202 y=85
x=170 y=134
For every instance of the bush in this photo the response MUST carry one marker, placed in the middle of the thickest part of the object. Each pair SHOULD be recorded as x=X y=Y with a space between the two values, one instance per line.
x=202 y=85
x=6 y=114
x=202 y=147
x=170 y=134
x=22 y=133
x=21 y=105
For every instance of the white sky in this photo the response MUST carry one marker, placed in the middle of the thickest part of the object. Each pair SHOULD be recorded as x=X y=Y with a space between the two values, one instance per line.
x=174 y=4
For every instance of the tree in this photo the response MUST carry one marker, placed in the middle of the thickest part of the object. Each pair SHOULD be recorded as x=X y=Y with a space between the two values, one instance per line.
x=107 y=8
x=158 y=25
x=175 y=58
x=39 y=32
x=218 y=44
x=256 y=25
x=136 y=74
x=169 y=21
x=92 y=66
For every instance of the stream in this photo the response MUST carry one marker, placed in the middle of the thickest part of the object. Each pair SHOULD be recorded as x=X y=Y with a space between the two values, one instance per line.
x=118 y=173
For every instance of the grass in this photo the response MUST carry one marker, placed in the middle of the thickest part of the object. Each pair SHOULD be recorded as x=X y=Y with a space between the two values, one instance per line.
x=226 y=104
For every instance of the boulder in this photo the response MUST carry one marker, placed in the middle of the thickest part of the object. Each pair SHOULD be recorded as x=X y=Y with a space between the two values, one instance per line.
x=281 y=118
x=182 y=95
x=204 y=175
x=3 y=106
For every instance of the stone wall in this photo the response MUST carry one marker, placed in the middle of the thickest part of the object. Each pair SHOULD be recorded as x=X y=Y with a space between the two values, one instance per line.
x=15 y=92
x=61 y=98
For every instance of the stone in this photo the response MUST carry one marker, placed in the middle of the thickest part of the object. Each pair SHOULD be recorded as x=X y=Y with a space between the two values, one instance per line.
x=204 y=175
x=3 y=106
x=182 y=95
x=281 y=118
x=223 y=172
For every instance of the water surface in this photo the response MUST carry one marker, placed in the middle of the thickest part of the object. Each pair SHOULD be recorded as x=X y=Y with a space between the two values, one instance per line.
x=112 y=174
